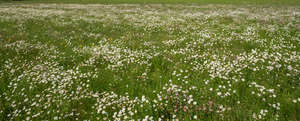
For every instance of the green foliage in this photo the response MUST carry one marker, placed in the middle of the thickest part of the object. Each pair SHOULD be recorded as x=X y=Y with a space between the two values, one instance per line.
x=245 y=2
x=149 y=61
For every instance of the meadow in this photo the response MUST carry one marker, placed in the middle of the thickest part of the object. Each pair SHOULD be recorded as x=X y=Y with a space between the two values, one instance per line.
x=150 y=60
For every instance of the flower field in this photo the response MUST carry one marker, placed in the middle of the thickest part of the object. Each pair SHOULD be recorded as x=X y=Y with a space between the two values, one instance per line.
x=149 y=62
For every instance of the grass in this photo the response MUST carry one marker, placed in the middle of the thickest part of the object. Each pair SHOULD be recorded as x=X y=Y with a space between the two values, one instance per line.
x=229 y=60
x=239 y=2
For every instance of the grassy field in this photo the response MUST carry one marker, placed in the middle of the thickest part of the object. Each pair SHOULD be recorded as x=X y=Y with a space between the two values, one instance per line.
x=238 y=2
x=225 y=60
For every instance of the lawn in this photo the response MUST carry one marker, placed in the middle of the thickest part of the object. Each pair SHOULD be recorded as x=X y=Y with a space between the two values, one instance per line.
x=150 y=60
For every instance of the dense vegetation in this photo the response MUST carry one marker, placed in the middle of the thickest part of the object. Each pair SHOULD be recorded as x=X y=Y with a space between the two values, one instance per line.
x=149 y=61
x=245 y=2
